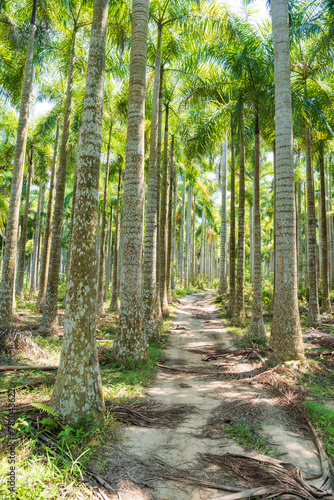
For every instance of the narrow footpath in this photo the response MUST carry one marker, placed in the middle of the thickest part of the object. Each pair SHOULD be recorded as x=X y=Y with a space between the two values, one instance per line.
x=181 y=461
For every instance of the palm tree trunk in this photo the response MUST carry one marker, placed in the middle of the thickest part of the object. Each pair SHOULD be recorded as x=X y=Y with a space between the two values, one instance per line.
x=313 y=315
x=24 y=229
x=114 y=289
x=183 y=216
x=108 y=259
x=286 y=341
x=163 y=225
x=40 y=205
x=299 y=231
x=239 y=315
x=202 y=243
x=47 y=232
x=130 y=342
x=9 y=258
x=50 y=317
x=100 y=306
x=326 y=301
x=159 y=183
x=251 y=241
x=230 y=307
x=306 y=235
x=222 y=287
x=188 y=237
x=256 y=328
x=193 y=259
x=170 y=223
x=174 y=250
x=78 y=389
x=151 y=316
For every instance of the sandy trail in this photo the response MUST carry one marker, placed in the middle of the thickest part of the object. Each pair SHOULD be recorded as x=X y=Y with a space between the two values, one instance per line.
x=135 y=464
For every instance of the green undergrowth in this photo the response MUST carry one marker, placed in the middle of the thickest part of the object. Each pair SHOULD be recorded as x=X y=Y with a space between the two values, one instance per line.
x=248 y=434
x=322 y=418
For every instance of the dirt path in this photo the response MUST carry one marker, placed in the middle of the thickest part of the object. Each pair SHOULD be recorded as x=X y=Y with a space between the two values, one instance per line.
x=215 y=392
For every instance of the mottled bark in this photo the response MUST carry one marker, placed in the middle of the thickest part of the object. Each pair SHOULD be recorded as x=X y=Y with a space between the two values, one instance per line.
x=100 y=306
x=239 y=315
x=151 y=306
x=115 y=277
x=313 y=304
x=47 y=231
x=24 y=229
x=222 y=287
x=50 y=316
x=130 y=343
x=286 y=341
x=34 y=270
x=231 y=297
x=78 y=389
x=325 y=299
x=256 y=330
x=9 y=258
x=170 y=223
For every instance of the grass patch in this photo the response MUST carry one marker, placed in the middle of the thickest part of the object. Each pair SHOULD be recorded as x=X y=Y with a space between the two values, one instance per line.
x=323 y=420
x=248 y=435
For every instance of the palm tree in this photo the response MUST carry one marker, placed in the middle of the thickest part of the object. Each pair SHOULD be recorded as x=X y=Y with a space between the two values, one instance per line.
x=286 y=341
x=222 y=288
x=115 y=277
x=78 y=388
x=130 y=343
x=9 y=258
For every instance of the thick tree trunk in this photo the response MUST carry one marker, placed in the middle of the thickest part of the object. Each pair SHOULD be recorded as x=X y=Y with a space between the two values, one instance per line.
x=10 y=251
x=183 y=217
x=256 y=328
x=24 y=229
x=239 y=316
x=222 y=287
x=50 y=316
x=314 y=314
x=170 y=223
x=231 y=297
x=286 y=341
x=47 y=232
x=40 y=205
x=325 y=300
x=78 y=389
x=115 y=277
x=130 y=342
x=151 y=307
x=100 y=306
x=163 y=226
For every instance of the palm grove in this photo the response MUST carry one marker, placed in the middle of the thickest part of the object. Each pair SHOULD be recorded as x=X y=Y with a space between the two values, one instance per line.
x=182 y=143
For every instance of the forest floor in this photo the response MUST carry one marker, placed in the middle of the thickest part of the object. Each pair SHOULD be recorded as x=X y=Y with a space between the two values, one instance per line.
x=203 y=417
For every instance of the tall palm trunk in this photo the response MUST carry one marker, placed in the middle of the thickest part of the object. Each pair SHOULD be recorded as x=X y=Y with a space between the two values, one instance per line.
x=256 y=328
x=48 y=226
x=251 y=239
x=313 y=315
x=159 y=183
x=24 y=229
x=78 y=388
x=286 y=340
x=299 y=232
x=222 y=287
x=40 y=205
x=231 y=298
x=188 y=237
x=130 y=341
x=163 y=225
x=174 y=250
x=100 y=306
x=151 y=316
x=183 y=216
x=50 y=317
x=108 y=260
x=202 y=243
x=326 y=301
x=239 y=316
x=170 y=223
x=115 y=277
x=9 y=258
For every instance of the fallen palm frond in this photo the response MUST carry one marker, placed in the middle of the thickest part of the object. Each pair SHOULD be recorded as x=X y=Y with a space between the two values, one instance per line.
x=13 y=341
x=271 y=477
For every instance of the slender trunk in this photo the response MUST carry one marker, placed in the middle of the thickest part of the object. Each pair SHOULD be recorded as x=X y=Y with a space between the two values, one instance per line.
x=251 y=241
x=24 y=230
x=286 y=341
x=331 y=232
x=256 y=328
x=170 y=222
x=174 y=250
x=163 y=225
x=182 y=234
x=78 y=389
x=130 y=342
x=151 y=305
x=231 y=298
x=159 y=182
x=202 y=243
x=47 y=232
x=306 y=235
x=239 y=315
x=49 y=317
x=299 y=230
x=100 y=306
x=313 y=315
x=108 y=260
x=9 y=258
x=114 y=302
x=40 y=205
x=188 y=237
x=326 y=301
x=193 y=259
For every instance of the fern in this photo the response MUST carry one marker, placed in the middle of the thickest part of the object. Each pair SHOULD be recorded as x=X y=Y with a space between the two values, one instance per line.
x=46 y=408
